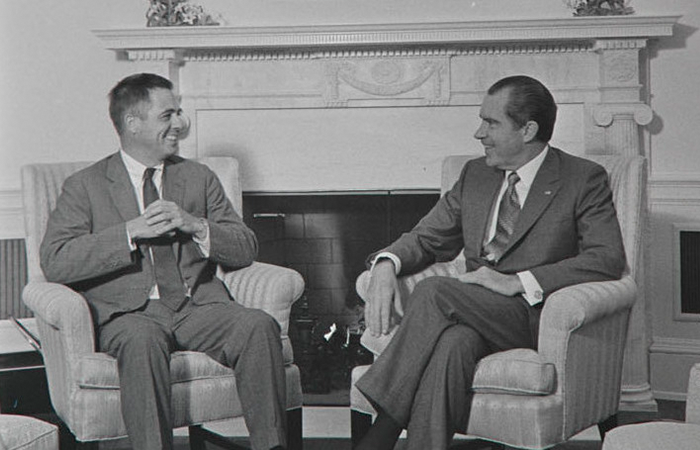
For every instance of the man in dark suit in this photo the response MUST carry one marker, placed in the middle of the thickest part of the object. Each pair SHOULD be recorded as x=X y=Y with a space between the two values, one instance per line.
x=531 y=219
x=140 y=234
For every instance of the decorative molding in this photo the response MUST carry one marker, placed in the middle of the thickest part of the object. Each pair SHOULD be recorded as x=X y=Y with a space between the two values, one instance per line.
x=605 y=114
x=618 y=44
x=11 y=217
x=428 y=79
x=155 y=55
x=675 y=346
x=682 y=189
x=339 y=36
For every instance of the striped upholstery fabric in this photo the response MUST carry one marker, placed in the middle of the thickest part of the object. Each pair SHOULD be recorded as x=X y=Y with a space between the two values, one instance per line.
x=662 y=435
x=27 y=433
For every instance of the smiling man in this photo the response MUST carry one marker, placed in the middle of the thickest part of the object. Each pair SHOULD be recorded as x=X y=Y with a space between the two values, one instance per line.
x=140 y=234
x=530 y=219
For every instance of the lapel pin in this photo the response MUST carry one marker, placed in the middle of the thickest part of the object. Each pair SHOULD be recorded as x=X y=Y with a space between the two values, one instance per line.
x=547 y=192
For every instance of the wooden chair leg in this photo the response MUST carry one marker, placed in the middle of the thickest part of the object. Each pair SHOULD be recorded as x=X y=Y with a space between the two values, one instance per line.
x=295 y=440
x=85 y=445
x=607 y=425
x=197 y=438
x=359 y=425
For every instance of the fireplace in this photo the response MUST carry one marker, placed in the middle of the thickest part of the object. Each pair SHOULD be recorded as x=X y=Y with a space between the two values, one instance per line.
x=326 y=237
x=377 y=107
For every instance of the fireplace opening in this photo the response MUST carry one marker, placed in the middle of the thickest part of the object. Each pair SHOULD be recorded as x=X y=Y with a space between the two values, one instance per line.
x=326 y=237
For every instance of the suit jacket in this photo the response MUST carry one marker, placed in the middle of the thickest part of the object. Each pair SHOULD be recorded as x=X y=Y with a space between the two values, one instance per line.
x=567 y=231
x=86 y=245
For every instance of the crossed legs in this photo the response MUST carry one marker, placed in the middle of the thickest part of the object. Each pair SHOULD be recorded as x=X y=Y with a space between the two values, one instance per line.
x=422 y=380
x=245 y=339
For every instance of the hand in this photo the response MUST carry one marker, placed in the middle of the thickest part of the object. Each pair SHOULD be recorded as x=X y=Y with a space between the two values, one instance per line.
x=508 y=285
x=162 y=217
x=382 y=292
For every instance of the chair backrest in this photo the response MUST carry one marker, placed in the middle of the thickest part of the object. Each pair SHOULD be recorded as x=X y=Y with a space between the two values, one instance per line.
x=41 y=187
x=627 y=175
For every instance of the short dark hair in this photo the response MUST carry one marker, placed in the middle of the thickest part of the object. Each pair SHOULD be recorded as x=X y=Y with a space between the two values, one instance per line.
x=130 y=93
x=528 y=100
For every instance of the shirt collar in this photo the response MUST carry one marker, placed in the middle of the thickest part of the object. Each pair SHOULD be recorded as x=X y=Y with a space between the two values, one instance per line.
x=136 y=169
x=528 y=172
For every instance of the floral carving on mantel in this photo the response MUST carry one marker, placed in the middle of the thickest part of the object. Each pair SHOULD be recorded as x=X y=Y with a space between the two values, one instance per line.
x=388 y=78
x=168 y=13
x=584 y=8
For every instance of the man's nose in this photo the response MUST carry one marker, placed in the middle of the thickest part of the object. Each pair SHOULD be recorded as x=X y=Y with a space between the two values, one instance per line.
x=181 y=122
x=480 y=133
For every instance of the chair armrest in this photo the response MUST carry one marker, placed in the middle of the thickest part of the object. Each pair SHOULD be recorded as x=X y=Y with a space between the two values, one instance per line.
x=377 y=344
x=60 y=309
x=66 y=333
x=575 y=306
x=271 y=288
x=583 y=331
x=692 y=408
x=407 y=283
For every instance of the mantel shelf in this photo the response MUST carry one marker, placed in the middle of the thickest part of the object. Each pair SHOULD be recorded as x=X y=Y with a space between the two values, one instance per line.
x=344 y=36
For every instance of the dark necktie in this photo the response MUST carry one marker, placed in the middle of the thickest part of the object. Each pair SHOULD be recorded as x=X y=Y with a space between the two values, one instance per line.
x=507 y=216
x=171 y=288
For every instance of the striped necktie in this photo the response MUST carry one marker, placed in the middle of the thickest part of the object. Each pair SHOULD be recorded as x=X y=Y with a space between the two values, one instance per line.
x=507 y=217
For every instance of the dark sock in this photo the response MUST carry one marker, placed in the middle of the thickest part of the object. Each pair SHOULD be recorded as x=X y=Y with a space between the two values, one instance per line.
x=382 y=435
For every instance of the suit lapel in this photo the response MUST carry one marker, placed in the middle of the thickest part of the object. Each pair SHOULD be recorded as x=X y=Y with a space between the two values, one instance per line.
x=481 y=195
x=543 y=190
x=174 y=191
x=173 y=183
x=121 y=189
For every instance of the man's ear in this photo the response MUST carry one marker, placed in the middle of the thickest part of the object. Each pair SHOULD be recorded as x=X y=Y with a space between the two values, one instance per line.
x=530 y=131
x=132 y=123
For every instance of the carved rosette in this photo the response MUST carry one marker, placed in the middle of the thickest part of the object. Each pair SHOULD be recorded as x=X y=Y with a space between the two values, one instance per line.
x=621 y=123
x=423 y=79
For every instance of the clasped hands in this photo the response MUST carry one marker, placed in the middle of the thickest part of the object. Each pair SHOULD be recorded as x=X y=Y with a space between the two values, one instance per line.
x=163 y=217
x=383 y=291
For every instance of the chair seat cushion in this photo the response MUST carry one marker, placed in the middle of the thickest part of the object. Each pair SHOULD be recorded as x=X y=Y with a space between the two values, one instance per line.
x=99 y=370
x=26 y=433
x=654 y=436
x=517 y=372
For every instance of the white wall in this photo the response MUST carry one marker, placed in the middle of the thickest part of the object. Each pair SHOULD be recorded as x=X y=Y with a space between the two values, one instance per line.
x=55 y=74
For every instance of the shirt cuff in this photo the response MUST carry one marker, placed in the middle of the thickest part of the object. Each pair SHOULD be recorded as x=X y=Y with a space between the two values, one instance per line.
x=132 y=244
x=533 y=291
x=384 y=255
x=202 y=239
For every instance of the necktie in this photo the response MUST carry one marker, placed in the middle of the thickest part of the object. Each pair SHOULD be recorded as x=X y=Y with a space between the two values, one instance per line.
x=171 y=288
x=507 y=216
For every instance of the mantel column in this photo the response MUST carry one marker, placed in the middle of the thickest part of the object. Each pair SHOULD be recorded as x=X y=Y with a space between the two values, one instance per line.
x=621 y=122
x=621 y=113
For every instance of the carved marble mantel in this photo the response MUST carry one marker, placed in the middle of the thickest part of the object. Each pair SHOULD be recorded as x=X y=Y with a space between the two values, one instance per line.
x=596 y=67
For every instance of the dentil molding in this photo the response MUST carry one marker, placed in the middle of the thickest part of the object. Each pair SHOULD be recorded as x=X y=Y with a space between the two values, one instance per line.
x=300 y=41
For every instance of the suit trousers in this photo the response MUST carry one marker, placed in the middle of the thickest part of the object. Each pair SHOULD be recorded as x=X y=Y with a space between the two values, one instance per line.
x=245 y=339
x=423 y=378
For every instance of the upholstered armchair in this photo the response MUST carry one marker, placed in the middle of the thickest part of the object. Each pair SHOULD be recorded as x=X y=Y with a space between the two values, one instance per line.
x=663 y=434
x=84 y=384
x=536 y=399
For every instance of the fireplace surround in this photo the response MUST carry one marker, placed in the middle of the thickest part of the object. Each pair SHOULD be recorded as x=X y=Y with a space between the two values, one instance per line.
x=357 y=109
